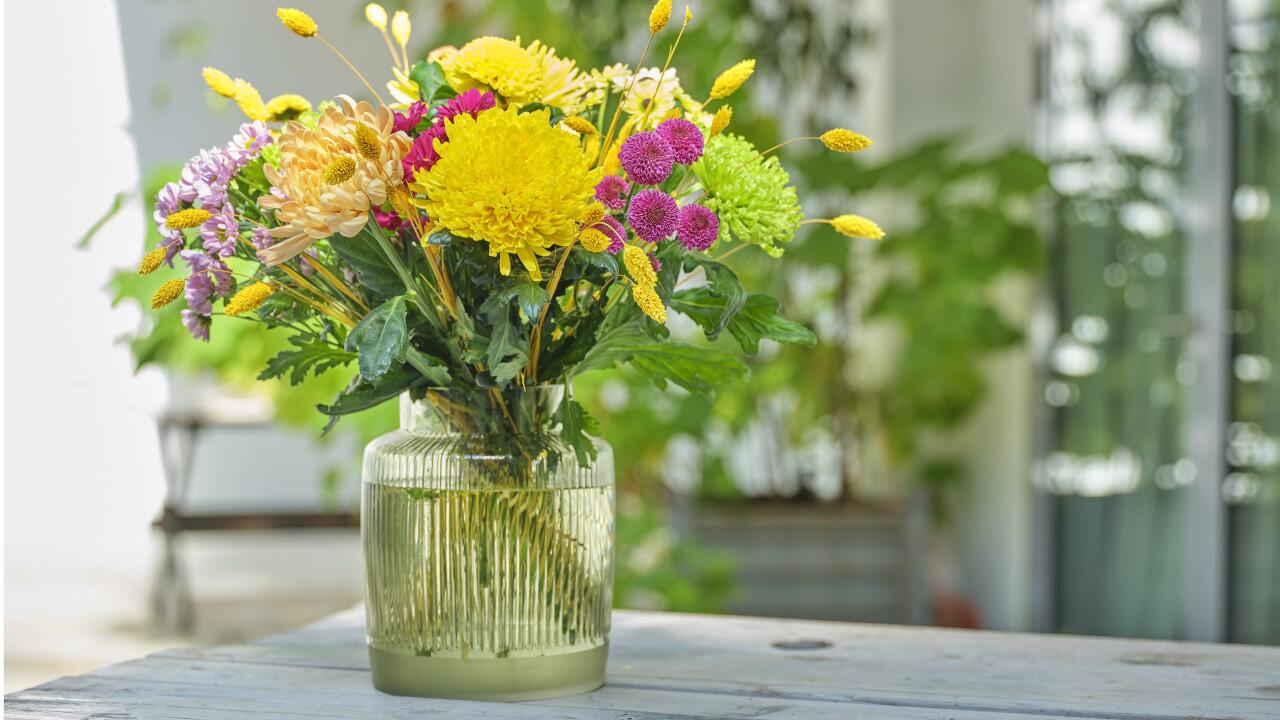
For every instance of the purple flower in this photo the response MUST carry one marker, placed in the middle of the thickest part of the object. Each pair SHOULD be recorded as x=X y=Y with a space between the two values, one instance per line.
x=653 y=215
x=209 y=275
x=422 y=155
x=387 y=220
x=248 y=142
x=613 y=230
x=208 y=173
x=406 y=123
x=261 y=238
x=168 y=202
x=612 y=191
x=472 y=101
x=221 y=232
x=655 y=263
x=647 y=158
x=196 y=324
x=698 y=227
x=684 y=138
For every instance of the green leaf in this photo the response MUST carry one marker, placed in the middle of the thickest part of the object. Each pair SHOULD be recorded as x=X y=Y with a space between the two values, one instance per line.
x=723 y=282
x=508 y=349
x=576 y=424
x=432 y=85
x=361 y=253
x=612 y=347
x=530 y=295
x=757 y=320
x=696 y=369
x=363 y=394
x=601 y=260
x=308 y=356
x=381 y=338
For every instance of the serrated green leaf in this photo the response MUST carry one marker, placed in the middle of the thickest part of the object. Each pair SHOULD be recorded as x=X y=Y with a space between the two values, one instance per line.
x=370 y=265
x=758 y=318
x=508 y=348
x=576 y=425
x=380 y=338
x=363 y=394
x=309 y=356
x=530 y=296
x=722 y=282
x=696 y=369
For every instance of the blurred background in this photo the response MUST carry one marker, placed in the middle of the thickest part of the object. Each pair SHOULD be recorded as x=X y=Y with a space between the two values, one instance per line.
x=1046 y=403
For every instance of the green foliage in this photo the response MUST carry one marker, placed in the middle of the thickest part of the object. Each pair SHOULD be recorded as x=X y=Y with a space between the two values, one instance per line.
x=308 y=355
x=432 y=87
x=381 y=338
x=576 y=424
x=758 y=319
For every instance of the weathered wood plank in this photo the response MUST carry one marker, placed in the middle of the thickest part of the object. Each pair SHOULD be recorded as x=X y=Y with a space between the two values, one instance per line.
x=688 y=666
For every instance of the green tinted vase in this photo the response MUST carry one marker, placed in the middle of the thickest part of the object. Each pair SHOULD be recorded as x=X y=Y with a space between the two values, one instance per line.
x=488 y=555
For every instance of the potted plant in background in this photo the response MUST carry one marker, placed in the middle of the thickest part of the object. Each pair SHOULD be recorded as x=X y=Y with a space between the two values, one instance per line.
x=505 y=224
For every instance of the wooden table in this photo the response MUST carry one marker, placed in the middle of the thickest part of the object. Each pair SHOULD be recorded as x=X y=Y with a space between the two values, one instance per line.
x=666 y=665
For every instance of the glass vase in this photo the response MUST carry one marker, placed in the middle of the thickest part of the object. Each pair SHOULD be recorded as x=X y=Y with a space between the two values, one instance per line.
x=488 y=550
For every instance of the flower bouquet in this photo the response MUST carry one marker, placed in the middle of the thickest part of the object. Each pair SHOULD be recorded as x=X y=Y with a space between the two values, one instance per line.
x=498 y=223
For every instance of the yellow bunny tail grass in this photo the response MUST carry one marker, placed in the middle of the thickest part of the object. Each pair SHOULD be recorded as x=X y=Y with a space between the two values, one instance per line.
x=638 y=266
x=580 y=125
x=592 y=240
x=248 y=299
x=367 y=142
x=732 y=79
x=297 y=21
x=151 y=261
x=219 y=82
x=401 y=27
x=721 y=120
x=648 y=301
x=189 y=218
x=376 y=15
x=593 y=215
x=857 y=226
x=250 y=101
x=688 y=15
x=659 y=16
x=168 y=291
x=845 y=141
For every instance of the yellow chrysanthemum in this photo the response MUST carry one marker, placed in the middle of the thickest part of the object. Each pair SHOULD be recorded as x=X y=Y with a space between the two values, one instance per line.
x=313 y=208
x=857 y=226
x=721 y=120
x=519 y=75
x=845 y=141
x=730 y=80
x=168 y=291
x=297 y=21
x=188 y=218
x=250 y=101
x=219 y=82
x=287 y=106
x=151 y=261
x=638 y=266
x=248 y=299
x=659 y=16
x=520 y=208
x=592 y=240
x=647 y=300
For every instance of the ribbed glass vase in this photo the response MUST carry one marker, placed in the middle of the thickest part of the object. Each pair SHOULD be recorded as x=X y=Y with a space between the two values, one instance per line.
x=488 y=553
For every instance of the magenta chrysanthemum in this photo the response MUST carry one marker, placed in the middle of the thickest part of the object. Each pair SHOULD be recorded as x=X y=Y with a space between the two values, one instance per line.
x=406 y=122
x=647 y=158
x=472 y=101
x=653 y=215
x=698 y=227
x=422 y=154
x=613 y=230
x=684 y=138
x=612 y=191
x=655 y=263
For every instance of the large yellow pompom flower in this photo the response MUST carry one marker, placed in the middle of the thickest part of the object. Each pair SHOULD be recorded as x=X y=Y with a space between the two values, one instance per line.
x=511 y=180
x=518 y=74
x=325 y=183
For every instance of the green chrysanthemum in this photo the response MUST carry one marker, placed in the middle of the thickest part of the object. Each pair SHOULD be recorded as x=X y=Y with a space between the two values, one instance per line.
x=751 y=195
